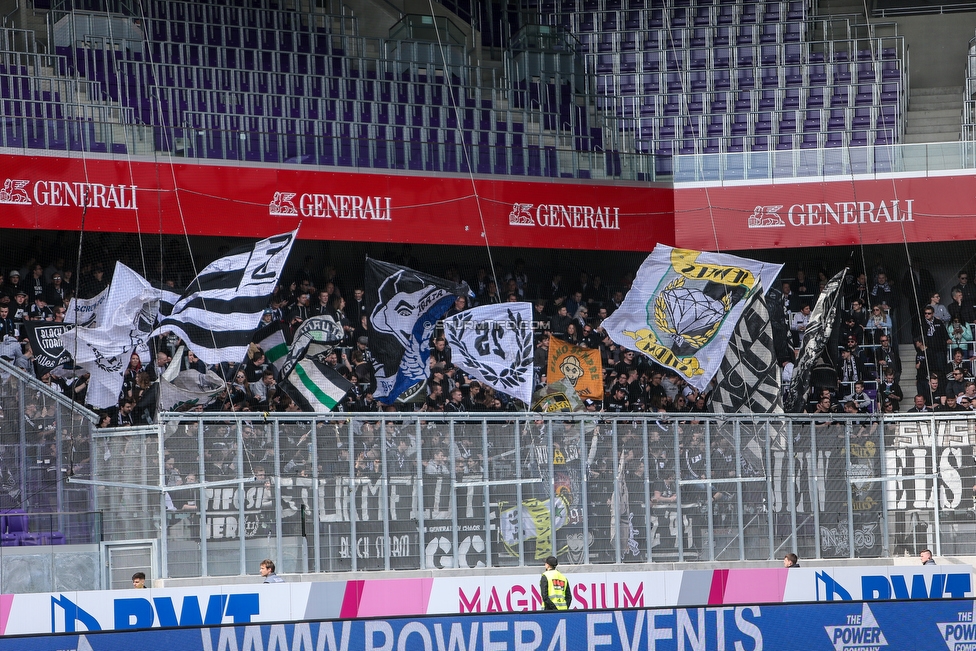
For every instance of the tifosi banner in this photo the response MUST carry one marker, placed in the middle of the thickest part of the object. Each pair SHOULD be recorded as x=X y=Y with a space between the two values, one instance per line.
x=49 y=193
x=752 y=216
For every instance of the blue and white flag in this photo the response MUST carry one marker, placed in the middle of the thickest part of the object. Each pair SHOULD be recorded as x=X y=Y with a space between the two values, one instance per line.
x=683 y=307
x=404 y=307
x=493 y=344
x=218 y=313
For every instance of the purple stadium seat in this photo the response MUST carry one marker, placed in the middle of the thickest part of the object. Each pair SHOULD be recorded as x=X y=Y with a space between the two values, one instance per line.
x=812 y=121
x=791 y=98
x=815 y=97
x=745 y=78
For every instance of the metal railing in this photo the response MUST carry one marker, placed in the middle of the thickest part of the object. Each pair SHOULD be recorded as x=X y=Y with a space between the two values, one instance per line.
x=365 y=492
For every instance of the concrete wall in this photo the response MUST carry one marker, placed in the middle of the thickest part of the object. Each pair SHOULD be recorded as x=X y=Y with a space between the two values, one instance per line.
x=937 y=47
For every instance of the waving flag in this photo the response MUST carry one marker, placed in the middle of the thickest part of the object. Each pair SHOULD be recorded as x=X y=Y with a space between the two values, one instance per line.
x=316 y=386
x=748 y=380
x=219 y=311
x=317 y=335
x=273 y=341
x=118 y=326
x=683 y=307
x=815 y=338
x=493 y=343
x=404 y=307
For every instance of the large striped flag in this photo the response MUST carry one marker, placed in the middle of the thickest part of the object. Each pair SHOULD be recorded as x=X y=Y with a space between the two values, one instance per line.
x=316 y=386
x=217 y=314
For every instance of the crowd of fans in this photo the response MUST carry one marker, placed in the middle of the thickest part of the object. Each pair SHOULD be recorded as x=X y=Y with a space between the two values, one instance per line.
x=863 y=372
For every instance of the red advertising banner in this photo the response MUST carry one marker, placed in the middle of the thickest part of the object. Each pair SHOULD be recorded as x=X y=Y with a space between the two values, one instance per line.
x=825 y=213
x=45 y=192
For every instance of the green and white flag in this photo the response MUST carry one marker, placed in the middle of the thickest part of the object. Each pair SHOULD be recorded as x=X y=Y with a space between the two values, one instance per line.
x=316 y=386
x=683 y=307
x=274 y=343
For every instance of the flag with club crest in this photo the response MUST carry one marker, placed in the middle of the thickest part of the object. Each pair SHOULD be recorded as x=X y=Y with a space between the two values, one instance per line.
x=683 y=306
x=306 y=376
x=218 y=313
x=748 y=380
x=493 y=344
x=815 y=338
x=404 y=307
x=116 y=328
x=46 y=345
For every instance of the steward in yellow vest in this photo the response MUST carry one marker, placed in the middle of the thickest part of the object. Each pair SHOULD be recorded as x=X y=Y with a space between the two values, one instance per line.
x=554 y=586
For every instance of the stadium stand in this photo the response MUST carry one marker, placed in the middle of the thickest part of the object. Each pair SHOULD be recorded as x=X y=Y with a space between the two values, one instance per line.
x=581 y=86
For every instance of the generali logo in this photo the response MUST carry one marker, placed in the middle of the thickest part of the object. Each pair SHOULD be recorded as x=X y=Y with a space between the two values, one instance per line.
x=766 y=217
x=328 y=206
x=842 y=213
x=64 y=194
x=565 y=216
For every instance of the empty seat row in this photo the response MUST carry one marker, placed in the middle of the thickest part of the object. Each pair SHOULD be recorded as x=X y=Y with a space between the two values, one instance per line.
x=747 y=57
x=382 y=147
x=772 y=79
x=59 y=134
x=182 y=17
x=570 y=6
x=764 y=123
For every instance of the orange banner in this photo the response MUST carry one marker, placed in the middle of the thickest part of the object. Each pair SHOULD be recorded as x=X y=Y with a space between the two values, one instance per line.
x=581 y=367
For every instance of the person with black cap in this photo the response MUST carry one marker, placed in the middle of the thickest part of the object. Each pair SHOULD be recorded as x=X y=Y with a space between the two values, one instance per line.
x=554 y=587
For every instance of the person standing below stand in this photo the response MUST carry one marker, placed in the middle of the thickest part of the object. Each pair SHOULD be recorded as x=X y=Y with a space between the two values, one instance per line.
x=268 y=572
x=791 y=561
x=139 y=580
x=554 y=587
x=926 y=556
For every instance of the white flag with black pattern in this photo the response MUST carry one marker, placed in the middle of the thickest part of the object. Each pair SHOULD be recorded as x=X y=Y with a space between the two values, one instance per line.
x=493 y=343
x=218 y=313
x=748 y=380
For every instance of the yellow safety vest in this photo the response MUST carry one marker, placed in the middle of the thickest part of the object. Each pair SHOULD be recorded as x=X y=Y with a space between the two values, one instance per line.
x=558 y=585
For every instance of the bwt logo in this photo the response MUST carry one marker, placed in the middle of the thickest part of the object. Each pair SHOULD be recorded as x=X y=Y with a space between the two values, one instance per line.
x=157 y=612
x=881 y=587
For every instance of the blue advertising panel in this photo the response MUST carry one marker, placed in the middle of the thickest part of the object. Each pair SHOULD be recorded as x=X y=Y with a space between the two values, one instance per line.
x=840 y=626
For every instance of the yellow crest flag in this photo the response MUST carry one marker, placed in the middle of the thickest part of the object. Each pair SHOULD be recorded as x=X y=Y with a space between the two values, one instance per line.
x=581 y=367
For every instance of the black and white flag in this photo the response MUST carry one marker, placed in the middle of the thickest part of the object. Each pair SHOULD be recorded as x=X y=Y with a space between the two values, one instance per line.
x=404 y=307
x=748 y=379
x=46 y=345
x=317 y=335
x=218 y=313
x=119 y=326
x=493 y=343
x=815 y=338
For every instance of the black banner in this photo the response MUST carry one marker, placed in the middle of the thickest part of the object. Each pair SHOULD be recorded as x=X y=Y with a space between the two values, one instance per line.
x=45 y=342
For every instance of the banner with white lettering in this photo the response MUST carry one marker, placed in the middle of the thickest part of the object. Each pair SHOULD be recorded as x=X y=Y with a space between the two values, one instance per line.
x=46 y=345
